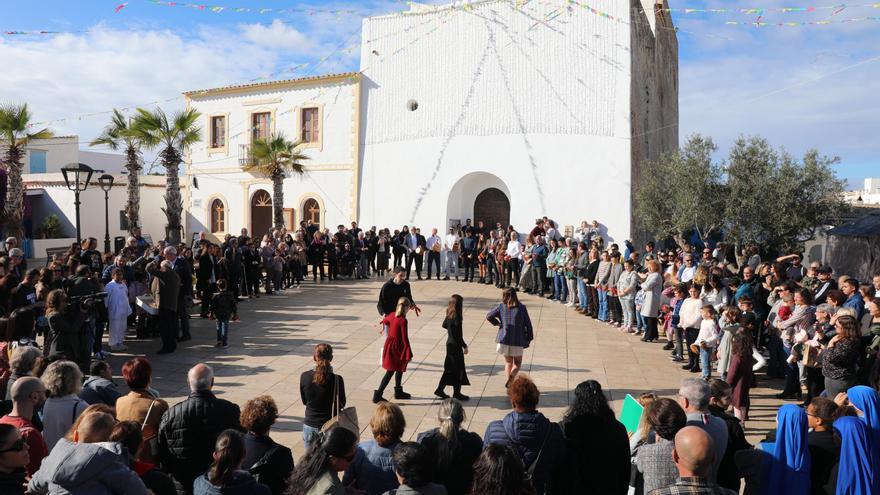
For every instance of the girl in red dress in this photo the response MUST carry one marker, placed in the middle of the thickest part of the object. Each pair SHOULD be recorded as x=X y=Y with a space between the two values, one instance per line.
x=397 y=353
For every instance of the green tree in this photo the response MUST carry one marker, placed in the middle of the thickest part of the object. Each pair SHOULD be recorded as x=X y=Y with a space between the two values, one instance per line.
x=120 y=134
x=683 y=191
x=174 y=136
x=274 y=158
x=15 y=134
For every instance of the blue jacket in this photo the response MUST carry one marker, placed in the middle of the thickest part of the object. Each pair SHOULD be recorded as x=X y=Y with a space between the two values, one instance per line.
x=856 y=302
x=372 y=468
x=539 y=256
x=525 y=433
x=514 y=325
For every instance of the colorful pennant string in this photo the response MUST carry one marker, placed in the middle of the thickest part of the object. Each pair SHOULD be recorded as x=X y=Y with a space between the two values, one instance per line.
x=38 y=33
x=217 y=9
x=764 y=10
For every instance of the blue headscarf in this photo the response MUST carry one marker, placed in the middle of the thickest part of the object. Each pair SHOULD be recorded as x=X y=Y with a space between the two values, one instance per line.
x=867 y=400
x=856 y=473
x=787 y=467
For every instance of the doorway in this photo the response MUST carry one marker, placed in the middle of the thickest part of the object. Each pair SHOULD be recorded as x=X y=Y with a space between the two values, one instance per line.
x=261 y=213
x=491 y=207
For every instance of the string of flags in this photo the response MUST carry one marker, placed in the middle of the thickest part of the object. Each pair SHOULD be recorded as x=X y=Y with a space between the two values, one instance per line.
x=38 y=33
x=764 y=10
x=217 y=9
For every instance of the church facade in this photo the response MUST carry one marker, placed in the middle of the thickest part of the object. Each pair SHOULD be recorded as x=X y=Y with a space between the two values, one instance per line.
x=493 y=110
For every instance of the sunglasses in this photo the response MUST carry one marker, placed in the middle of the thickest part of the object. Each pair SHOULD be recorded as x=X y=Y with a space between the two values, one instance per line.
x=17 y=446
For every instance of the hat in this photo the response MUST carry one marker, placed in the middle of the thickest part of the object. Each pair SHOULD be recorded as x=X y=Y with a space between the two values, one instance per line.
x=824 y=269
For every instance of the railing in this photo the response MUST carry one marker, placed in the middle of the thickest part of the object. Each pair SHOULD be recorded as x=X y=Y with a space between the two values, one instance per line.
x=244 y=155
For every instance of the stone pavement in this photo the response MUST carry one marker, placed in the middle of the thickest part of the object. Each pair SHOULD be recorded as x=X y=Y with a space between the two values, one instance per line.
x=273 y=344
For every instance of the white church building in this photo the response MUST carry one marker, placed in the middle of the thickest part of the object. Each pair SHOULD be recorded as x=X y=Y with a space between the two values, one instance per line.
x=493 y=110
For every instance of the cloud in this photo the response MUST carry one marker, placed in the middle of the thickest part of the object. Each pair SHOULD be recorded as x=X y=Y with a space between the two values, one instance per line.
x=278 y=35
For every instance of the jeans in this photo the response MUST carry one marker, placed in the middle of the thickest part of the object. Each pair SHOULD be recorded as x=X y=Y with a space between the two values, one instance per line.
x=309 y=434
x=582 y=293
x=640 y=321
x=540 y=273
x=705 y=363
x=560 y=288
x=222 y=331
x=603 y=305
x=678 y=333
x=690 y=335
x=628 y=306
x=451 y=264
x=572 y=291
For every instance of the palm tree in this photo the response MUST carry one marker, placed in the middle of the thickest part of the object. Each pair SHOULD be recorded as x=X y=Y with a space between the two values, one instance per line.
x=15 y=133
x=122 y=134
x=174 y=135
x=274 y=158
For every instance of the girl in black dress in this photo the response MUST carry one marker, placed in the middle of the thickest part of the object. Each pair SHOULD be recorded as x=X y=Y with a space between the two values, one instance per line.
x=454 y=372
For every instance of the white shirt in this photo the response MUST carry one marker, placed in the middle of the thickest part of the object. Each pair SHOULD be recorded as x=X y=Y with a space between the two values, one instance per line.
x=514 y=250
x=707 y=334
x=451 y=239
x=434 y=239
x=687 y=273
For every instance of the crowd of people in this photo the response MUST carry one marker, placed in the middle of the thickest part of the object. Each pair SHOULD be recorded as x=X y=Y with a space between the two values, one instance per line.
x=71 y=430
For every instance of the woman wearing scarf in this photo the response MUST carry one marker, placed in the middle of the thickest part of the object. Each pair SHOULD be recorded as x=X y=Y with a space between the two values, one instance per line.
x=867 y=401
x=782 y=466
x=856 y=473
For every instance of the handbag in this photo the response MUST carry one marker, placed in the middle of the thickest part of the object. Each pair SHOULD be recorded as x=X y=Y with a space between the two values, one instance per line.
x=151 y=445
x=346 y=418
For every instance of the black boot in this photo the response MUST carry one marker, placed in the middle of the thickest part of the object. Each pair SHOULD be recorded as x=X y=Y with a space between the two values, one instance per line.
x=377 y=397
x=400 y=394
x=441 y=393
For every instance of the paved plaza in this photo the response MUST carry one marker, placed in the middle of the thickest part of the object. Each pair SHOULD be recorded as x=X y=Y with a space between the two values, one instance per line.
x=273 y=344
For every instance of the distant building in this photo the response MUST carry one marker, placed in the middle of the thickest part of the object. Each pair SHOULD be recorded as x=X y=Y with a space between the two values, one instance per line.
x=868 y=195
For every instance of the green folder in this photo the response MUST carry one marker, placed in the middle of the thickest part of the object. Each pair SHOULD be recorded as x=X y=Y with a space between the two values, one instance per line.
x=631 y=414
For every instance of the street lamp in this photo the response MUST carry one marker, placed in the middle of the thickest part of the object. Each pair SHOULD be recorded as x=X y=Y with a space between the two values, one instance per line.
x=77 y=177
x=106 y=183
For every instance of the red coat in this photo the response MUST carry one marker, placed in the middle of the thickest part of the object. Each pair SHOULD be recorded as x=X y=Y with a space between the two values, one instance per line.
x=396 y=353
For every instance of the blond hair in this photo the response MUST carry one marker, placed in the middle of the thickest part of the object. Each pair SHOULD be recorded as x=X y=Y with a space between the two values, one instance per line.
x=402 y=307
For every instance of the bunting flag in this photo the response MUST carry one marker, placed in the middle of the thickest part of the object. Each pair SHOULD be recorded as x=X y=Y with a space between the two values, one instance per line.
x=120 y=7
x=37 y=33
x=782 y=10
x=823 y=22
x=217 y=9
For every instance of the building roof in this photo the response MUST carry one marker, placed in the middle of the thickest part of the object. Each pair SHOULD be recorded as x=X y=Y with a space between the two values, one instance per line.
x=270 y=84
x=866 y=224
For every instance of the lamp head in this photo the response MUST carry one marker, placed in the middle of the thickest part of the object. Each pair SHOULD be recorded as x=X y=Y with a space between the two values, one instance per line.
x=106 y=182
x=77 y=176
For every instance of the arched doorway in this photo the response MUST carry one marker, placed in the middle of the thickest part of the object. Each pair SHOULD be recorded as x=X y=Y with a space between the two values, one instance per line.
x=311 y=211
x=261 y=213
x=491 y=207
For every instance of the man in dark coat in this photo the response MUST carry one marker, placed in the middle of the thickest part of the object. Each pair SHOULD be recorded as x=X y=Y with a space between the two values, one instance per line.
x=393 y=290
x=165 y=289
x=184 y=297
x=189 y=429
x=206 y=277
x=233 y=265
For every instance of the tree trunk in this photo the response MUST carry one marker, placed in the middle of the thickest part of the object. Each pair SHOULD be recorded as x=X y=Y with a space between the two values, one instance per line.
x=14 y=207
x=278 y=199
x=133 y=166
x=173 y=200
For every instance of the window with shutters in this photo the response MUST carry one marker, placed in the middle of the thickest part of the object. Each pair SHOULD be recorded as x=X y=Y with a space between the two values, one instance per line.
x=260 y=125
x=218 y=131
x=310 y=125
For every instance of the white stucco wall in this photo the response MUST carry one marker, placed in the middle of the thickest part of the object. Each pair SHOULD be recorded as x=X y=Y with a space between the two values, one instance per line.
x=537 y=97
x=59 y=152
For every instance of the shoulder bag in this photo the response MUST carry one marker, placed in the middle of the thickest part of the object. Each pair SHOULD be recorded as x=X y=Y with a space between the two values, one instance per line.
x=151 y=445
x=346 y=418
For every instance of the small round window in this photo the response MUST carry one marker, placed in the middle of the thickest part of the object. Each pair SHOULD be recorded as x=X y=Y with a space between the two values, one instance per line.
x=412 y=105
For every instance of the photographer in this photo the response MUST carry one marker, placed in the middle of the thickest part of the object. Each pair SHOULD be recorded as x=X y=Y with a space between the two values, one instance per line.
x=65 y=327
x=81 y=290
x=165 y=288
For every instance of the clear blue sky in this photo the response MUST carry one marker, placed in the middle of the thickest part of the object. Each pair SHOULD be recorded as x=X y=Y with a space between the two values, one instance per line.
x=800 y=87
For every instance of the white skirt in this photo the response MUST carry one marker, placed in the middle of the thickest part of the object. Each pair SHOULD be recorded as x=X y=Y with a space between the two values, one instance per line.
x=509 y=350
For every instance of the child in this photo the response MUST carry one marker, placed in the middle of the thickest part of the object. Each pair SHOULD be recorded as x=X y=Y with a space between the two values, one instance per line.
x=739 y=373
x=689 y=324
x=223 y=308
x=118 y=309
x=674 y=321
x=641 y=324
x=707 y=339
x=729 y=323
x=278 y=270
x=396 y=353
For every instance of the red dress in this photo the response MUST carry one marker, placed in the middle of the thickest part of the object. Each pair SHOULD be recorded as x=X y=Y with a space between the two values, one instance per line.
x=396 y=353
x=739 y=376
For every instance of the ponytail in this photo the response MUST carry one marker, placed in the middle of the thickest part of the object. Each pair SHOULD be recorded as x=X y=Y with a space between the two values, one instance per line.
x=323 y=355
x=230 y=447
x=451 y=416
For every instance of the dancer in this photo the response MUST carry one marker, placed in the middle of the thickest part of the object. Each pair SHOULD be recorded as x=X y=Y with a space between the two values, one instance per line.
x=396 y=353
x=454 y=372
x=514 y=331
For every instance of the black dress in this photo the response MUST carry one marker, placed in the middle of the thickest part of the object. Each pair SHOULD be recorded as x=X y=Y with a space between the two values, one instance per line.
x=454 y=372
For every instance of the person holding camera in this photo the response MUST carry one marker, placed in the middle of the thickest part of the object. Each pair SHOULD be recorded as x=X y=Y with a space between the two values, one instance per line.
x=165 y=289
x=65 y=327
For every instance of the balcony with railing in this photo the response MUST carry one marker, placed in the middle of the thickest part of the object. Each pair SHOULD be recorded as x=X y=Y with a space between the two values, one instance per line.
x=244 y=155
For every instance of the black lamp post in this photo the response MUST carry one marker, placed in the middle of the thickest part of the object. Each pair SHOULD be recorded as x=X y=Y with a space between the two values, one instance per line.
x=77 y=177
x=106 y=183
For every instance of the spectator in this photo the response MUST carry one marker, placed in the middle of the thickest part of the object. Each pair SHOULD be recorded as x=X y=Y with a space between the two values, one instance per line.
x=189 y=429
x=783 y=465
x=372 y=469
x=588 y=422
x=693 y=396
x=99 y=386
x=28 y=394
x=129 y=435
x=141 y=405
x=87 y=465
x=854 y=300
x=225 y=476
x=101 y=408
x=318 y=389
x=65 y=329
x=857 y=470
x=728 y=474
x=499 y=471
x=539 y=442
x=452 y=449
x=839 y=361
x=824 y=448
x=165 y=289
x=317 y=471
x=694 y=456
x=867 y=403
x=412 y=466
x=22 y=363
x=664 y=418
x=269 y=462
x=14 y=458
x=63 y=381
